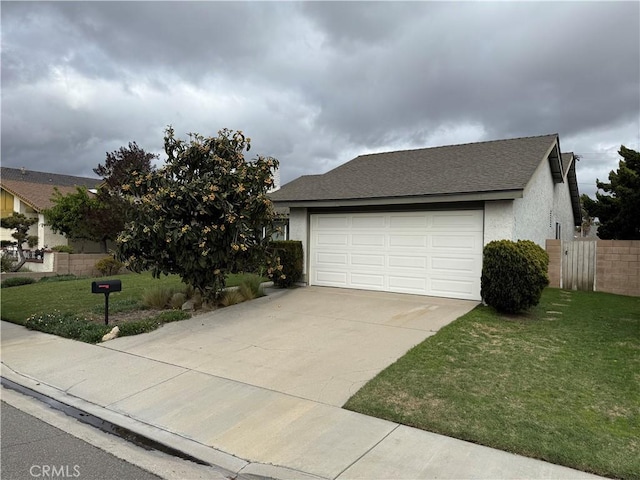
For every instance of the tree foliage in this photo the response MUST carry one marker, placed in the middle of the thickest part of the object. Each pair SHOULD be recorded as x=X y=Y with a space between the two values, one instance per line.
x=99 y=217
x=202 y=215
x=21 y=224
x=618 y=209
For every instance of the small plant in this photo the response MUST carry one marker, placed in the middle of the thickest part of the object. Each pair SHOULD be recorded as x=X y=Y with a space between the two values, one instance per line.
x=231 y=297
x=108 y=266
x=136 y=328
x=158 y=298
x=6 y=263
x=177 y=300
x=251 y=287
x=290 y=257
x=17 y=281
x=62 y=248
x=172 y=316
x=32 y=241
x=67 y=325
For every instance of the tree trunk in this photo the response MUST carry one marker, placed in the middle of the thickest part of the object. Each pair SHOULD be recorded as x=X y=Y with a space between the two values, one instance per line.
x=21 y=259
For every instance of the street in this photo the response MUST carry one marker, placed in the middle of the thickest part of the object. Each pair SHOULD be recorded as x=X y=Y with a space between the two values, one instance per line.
x=32 y=448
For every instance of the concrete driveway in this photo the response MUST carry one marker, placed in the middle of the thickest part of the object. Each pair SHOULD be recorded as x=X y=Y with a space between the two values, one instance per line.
x=317 y=343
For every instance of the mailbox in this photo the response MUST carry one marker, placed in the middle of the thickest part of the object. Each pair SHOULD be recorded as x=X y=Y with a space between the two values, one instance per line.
x=106 y=286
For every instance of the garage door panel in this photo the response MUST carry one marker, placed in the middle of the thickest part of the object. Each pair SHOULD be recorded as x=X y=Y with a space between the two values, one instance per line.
x=408 y=221
x=332 y=258
x=367 y=281
x=426 y=253
x=332 y=239
x=369 y=222
x=408 y=241
x=331 y=278
x=463 y=265
x=367 y=260
x=367 y=240
x=454 y=242
x=404 y=261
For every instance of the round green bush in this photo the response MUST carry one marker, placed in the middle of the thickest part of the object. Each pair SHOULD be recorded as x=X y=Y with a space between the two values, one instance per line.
x=514 y=274
x=108 y=266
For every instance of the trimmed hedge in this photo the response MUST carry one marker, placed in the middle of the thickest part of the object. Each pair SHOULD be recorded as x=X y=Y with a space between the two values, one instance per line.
x=291 y=258
x=514 y=274
x=17 y=281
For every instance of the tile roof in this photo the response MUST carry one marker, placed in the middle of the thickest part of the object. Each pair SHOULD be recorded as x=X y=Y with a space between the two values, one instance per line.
x=37 y=188
x=499 y=165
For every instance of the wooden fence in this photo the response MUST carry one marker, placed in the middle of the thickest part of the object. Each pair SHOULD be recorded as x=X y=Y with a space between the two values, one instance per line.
x=595 y=265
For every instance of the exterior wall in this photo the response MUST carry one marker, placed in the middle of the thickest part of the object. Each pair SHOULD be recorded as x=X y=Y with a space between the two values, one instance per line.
x=498 y=220
x=542 y=205
x=81 y=264
x=617 y=266
x=299 y=230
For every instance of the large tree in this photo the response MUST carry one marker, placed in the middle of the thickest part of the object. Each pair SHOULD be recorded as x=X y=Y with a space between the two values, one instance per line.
x=21 y=224
x=203 y=215
x=618 y=209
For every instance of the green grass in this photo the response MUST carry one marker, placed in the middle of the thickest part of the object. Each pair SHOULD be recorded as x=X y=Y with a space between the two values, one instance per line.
x=74 y=296
x=560 y=383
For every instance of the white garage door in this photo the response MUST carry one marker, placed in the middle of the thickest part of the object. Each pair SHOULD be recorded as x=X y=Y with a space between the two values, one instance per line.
x=435 y=253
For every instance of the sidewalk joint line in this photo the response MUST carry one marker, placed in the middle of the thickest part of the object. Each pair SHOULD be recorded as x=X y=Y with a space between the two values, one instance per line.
x=369 y=450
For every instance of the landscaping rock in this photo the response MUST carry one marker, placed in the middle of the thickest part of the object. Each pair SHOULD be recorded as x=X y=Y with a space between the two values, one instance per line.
x=115 y=331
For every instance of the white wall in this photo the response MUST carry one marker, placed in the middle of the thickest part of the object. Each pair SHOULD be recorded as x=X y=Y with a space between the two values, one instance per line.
x=498 y=220
x=543 y=204
x=299 y=230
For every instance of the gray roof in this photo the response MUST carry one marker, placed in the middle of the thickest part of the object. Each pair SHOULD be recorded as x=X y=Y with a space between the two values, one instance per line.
x=31 y=176
x=499 y=165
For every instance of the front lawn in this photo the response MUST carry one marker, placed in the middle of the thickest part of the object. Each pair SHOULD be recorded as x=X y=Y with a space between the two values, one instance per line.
x=74 y=296
x=560 y=383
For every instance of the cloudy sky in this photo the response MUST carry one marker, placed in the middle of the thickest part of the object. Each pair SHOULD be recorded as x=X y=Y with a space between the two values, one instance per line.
x=316 y=84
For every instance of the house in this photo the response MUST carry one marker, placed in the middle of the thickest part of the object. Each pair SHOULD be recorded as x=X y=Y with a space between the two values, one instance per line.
x=416 y=221
x=30 y=192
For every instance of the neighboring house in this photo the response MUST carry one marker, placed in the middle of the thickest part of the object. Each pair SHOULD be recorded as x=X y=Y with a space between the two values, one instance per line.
x=416 y=221
x=30 y=192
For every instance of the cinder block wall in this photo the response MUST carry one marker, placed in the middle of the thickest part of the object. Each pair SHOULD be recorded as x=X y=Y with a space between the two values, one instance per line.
x=80 y=264
x=617 y=266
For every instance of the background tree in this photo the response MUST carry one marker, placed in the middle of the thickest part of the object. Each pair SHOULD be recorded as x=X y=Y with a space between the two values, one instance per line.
x=618 y=209
x=202 y=215
x=21 y=224
x=116 y=171
x=79 y=216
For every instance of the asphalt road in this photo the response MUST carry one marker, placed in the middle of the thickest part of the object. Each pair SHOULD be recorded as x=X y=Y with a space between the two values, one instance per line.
x=31 y=449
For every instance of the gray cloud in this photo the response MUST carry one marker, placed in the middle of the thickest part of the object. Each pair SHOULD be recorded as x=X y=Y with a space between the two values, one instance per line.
x=317 y=83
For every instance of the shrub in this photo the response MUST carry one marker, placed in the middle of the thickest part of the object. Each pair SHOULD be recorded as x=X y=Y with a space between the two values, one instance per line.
x=17 y=281
x=177 y=300
x=6 y=263
x=59 y=278
x=514 y=274
x=172 y=316
x=32 y=241
x=231 y=297
x=135 y=328
x=67 y=325
x=251 y=287
x=157 y=298
x=290 y=254
x=108 y=266
x=62 y=248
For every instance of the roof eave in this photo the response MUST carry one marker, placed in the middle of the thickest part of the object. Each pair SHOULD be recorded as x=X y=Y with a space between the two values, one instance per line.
x=409 y=200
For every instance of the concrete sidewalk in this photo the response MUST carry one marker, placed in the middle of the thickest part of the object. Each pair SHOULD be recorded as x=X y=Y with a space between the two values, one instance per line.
x=246 y=429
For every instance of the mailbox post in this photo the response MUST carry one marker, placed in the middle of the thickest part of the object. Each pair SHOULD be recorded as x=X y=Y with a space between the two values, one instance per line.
x=106 y=287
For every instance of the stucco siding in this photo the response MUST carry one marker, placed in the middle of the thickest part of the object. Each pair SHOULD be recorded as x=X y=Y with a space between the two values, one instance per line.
x=534 y=213
x=498 y=220
x=563 y=211
x=299 y=230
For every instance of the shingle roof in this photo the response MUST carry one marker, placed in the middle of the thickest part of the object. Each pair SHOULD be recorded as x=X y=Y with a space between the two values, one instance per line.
x=31 y=176
x=37 y=188
x=499 y=165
